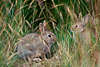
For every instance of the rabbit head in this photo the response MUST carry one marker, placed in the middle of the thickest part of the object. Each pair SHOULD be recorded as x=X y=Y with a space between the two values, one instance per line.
x=80 y=25
x=47 y=36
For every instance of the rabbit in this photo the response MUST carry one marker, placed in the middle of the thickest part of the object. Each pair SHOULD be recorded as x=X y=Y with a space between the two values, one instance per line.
x=83 y=38
x=36 y=46
x=84 y=33
x=80 y=28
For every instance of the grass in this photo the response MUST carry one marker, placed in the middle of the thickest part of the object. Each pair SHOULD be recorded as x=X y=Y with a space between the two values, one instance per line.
x=20 y=17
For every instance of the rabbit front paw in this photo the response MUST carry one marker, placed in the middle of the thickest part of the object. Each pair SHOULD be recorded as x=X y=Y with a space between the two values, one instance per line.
x=36 y=60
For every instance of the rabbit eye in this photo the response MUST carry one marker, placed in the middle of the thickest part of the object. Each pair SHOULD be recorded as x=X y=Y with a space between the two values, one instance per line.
x=49 y=35
x=76 y=26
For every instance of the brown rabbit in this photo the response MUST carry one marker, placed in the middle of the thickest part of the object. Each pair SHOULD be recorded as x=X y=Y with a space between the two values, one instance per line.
x=83 y=38
x=84 y=33
x=80 y=28
x=36 y=46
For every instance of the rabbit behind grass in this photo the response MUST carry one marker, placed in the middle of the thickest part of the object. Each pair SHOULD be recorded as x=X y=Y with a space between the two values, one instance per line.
x=80 y=28
x=83 y=38
x=35 y=46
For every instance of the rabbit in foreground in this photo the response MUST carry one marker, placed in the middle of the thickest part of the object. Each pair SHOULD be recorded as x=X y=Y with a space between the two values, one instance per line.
x=36 y=46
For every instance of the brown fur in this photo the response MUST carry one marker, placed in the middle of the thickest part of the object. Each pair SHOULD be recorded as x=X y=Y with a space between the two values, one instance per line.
x=35 y=46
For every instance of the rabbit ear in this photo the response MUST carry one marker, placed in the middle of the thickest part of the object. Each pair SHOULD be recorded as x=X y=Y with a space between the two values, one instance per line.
x=44 y=23
x=42 y=26
x=86 y=19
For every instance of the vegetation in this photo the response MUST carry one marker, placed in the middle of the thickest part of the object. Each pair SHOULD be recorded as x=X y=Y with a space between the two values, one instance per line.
x=20 y=17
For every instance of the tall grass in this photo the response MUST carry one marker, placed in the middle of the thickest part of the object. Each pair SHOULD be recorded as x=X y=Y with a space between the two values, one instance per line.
x=20 y=17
